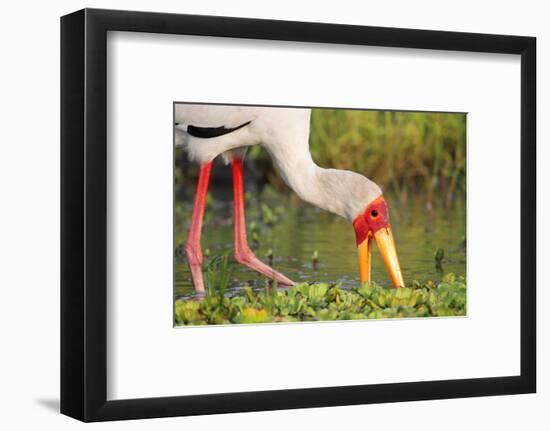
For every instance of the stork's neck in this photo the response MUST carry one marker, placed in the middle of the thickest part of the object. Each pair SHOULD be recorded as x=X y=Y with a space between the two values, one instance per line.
x=341 y=192
x=327 y=189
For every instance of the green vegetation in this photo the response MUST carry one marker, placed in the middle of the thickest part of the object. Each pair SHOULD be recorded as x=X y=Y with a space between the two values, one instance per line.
x=217 y=276
x=321 y=301
x=400 y=150
x=439 y=255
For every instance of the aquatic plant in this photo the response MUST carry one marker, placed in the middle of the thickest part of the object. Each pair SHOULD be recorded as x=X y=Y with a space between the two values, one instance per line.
x=439 y=255
x=315 y=260
x=321 y=301
x=269 y=217
x=269 y=255
x=217 y=275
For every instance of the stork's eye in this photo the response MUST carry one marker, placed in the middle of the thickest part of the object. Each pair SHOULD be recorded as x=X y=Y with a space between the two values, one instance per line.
x=374 y=213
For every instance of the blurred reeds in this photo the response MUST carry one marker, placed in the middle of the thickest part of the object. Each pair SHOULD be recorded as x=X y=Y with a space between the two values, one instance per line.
x=401 y=151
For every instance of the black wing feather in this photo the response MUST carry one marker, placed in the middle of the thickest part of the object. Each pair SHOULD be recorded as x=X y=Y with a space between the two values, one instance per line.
x=212 y=132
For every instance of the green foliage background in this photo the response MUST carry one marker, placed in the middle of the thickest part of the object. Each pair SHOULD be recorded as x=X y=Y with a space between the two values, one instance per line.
x=397 y=148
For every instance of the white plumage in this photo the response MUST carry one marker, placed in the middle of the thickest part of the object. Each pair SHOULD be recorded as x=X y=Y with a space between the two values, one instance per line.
x=284 y=134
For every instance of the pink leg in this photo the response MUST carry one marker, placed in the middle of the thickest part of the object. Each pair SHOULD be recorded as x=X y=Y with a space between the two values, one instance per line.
x=243 y=254
x=193 y=245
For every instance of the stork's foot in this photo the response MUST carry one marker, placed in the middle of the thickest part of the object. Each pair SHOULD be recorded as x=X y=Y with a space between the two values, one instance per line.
x=246 y=257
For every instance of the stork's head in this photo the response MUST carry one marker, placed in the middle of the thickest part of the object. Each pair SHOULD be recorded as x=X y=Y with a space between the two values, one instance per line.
x=360 y=201
x=373 y=222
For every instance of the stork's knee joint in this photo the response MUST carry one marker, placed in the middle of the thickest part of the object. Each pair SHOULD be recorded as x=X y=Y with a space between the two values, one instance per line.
x=242 y=256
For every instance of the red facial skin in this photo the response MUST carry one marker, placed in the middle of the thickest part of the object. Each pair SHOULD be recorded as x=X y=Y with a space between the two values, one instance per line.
x=375 y=217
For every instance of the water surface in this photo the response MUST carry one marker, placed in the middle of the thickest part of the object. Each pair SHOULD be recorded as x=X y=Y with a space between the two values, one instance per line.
x=419 y=229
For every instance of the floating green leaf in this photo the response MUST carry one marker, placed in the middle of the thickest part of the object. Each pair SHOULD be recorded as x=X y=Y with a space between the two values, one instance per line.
x=319 y=301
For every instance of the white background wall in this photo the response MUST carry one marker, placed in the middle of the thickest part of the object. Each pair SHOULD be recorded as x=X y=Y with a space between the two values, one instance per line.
x=29 y=215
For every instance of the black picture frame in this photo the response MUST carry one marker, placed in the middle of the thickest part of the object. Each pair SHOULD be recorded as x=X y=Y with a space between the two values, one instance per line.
x=84 y=214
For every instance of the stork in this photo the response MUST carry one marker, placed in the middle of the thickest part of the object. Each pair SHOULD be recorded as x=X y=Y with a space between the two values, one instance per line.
x=207 y=131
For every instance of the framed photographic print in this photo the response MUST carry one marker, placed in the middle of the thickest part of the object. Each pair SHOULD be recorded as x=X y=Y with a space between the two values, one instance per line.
x=262 y=215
